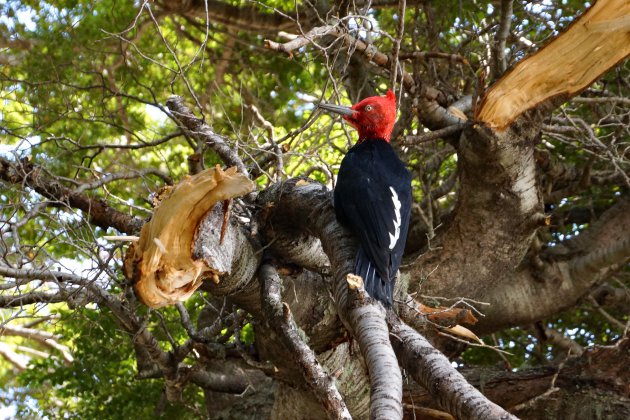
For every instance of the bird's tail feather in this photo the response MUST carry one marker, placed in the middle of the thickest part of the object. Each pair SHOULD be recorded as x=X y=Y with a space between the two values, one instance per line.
x=377 y=287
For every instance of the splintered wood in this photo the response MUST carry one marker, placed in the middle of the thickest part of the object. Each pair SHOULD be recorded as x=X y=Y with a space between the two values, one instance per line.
x=593 y=44
x=160 y=263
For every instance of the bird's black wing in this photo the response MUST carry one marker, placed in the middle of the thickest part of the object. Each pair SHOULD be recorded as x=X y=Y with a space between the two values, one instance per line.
x=373 y=198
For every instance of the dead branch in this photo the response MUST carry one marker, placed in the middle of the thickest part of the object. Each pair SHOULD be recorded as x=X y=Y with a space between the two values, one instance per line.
x=592 y=45
x=161 y=264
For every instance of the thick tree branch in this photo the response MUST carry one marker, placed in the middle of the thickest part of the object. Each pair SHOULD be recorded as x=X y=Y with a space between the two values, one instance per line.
x=434 y=371
x=280 y=318
x=570 y=271
x=598 y=261
x=496 y=215
x=592 y=45
x=235 y=381
x=598 y=373
x=161 y=263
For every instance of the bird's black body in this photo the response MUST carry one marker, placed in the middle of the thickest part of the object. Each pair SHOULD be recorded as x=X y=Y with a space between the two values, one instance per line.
x=373 y=198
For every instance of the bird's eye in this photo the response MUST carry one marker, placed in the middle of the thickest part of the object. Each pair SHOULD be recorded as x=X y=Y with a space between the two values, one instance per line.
x=368 y=108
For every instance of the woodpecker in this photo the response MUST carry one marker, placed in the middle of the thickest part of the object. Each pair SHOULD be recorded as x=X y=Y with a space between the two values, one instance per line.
x=372 y=196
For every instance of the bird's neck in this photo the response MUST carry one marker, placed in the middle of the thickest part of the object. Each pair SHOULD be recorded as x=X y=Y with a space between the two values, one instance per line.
x=373 y=137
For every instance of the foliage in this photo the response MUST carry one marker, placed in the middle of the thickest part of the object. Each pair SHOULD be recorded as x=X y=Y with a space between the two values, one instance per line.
x=101 y=382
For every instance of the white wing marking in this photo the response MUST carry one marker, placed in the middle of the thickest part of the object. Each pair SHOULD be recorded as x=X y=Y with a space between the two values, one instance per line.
x=393 y=237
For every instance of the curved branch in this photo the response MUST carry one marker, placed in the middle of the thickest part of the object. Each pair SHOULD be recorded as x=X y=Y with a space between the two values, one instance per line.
x=434 y=371
x=592 y=265
x=559 y=69
x=571 y=269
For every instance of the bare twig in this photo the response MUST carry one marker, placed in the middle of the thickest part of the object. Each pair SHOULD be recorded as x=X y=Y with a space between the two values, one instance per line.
x=400 y=30
x=434 y=135
x=33 y=176
x=498 y=56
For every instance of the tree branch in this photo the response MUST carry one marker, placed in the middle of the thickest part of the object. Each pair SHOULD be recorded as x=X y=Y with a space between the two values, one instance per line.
x=598 y=261
x=44 y=337
x=23 y=299
x=499 y=63
x=33 y=176
x=364 y=319
x=570 y=271
x=242 y=18
x=234 y=382
x=12 y=357
x=200 y=130
x=430 y=98
x=279 y=317
x=558 y=70
x=434 y=371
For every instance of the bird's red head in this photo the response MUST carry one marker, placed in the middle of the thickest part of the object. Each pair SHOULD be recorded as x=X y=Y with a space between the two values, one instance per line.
x=373 y=117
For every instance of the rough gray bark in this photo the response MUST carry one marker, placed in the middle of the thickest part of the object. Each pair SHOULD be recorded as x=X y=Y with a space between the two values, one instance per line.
x=485 y=250
x=432 y=370
x=279 y=317
x=299 y=206
x=587 y=386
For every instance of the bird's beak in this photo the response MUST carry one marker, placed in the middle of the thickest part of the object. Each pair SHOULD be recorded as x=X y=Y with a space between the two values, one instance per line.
x=337 y=109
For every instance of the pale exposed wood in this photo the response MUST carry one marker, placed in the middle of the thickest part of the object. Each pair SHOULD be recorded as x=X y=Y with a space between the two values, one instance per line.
x=593 y=44
x=161 y=264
